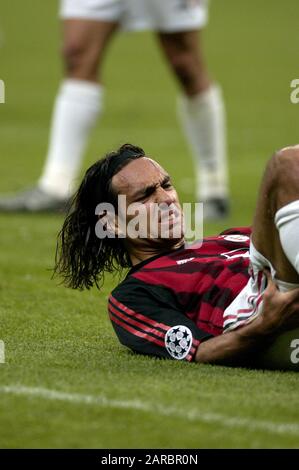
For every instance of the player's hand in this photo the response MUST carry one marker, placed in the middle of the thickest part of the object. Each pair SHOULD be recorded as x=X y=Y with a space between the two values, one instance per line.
x=280 y=309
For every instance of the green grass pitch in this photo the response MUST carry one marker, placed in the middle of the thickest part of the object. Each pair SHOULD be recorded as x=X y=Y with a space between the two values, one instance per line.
x=66 y=381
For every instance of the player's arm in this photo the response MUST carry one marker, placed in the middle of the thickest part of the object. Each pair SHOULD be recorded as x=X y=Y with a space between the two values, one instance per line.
x=146 y=320
x=280 y=312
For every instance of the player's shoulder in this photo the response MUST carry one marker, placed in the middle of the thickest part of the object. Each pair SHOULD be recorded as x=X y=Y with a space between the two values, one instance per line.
x=237 y=238
x=242 y=231
x=142 y=289
x=125 y=287
x=131 y=291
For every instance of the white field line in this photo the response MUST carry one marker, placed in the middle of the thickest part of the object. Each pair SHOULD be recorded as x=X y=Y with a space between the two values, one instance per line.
x=194 y=415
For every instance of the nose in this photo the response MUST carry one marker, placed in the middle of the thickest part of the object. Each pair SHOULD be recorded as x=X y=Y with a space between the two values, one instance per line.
x=165 y=197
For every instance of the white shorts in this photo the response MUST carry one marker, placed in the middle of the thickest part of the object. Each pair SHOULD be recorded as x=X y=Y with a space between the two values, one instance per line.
x=157 y=15
x=248 y=304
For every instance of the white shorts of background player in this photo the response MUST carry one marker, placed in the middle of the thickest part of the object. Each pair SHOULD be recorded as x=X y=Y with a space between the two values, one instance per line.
x=133 y=15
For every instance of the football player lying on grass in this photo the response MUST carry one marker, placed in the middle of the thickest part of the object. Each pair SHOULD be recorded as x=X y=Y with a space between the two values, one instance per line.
x=222 y=301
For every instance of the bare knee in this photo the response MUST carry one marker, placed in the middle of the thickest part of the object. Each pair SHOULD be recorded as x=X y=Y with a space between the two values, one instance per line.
x=284 y=173
x=285 y=163
x=290 y=154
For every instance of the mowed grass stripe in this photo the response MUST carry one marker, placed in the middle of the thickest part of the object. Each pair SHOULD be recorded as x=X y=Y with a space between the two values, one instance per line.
x=194 y=415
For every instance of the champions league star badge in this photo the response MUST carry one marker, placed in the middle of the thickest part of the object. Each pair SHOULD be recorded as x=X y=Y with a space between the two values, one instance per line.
x=178 y=341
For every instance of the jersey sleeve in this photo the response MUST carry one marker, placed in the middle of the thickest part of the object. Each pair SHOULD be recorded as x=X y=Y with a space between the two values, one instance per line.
x=146 y=320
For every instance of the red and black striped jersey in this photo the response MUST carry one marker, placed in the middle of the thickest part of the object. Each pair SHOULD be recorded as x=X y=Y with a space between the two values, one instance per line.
x=169 y=303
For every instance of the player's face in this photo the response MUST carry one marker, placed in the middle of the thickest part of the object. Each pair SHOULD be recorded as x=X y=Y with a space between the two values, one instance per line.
x=153 y=208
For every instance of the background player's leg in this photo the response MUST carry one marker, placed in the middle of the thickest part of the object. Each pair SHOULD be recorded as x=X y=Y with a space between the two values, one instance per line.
x=201 y=111
x=77 y=107
x=78 y=103
x=276 y=223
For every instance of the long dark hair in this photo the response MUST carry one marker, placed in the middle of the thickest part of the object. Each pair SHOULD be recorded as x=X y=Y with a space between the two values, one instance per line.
x=81 y=257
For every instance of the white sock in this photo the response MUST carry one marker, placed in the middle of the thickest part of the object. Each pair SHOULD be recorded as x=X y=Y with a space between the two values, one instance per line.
x=203 y=120
x=287 y=223
x=76 y=109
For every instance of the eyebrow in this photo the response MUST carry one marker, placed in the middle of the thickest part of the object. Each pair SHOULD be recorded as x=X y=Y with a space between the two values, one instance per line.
x=148 y=190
